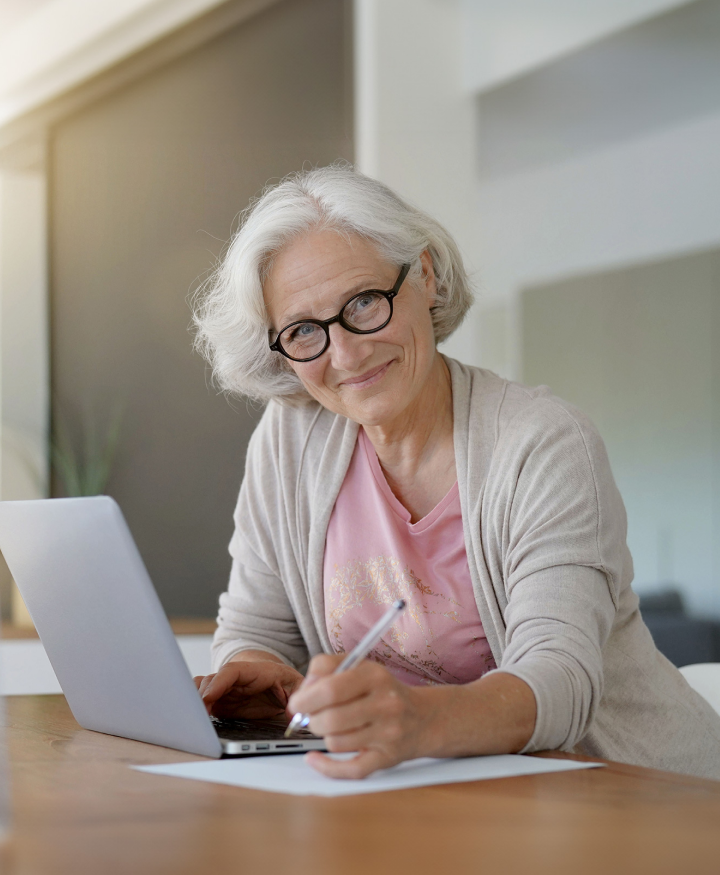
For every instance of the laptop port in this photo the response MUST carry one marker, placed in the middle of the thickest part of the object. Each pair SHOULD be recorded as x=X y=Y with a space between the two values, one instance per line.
x=281 y=744
x=245 y=747
x=262 y=747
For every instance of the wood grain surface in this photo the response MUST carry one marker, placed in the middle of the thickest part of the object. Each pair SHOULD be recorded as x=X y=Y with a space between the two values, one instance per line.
x=79 y=809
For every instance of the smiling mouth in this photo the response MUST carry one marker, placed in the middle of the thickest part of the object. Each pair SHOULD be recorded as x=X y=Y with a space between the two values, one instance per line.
x=368 y=378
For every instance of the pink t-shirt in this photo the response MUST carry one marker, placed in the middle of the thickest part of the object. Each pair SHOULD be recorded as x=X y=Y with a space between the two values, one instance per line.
x=374 y=555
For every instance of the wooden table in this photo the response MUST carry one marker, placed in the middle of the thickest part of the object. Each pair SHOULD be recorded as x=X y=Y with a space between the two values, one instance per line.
x=80 y=809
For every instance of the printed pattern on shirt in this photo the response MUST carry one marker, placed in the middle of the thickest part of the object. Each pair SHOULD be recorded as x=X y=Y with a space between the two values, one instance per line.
x=380 y=581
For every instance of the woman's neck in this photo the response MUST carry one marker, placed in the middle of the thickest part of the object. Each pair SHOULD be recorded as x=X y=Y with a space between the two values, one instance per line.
x=416 y=451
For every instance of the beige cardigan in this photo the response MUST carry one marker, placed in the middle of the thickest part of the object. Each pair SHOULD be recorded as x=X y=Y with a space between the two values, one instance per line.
x=545 y=532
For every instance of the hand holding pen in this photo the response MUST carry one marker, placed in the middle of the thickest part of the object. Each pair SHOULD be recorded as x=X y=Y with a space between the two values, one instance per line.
x=371 y=639
x=368 y=712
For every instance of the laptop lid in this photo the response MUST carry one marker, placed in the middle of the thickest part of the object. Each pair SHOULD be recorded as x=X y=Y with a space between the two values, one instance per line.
x=101 y=622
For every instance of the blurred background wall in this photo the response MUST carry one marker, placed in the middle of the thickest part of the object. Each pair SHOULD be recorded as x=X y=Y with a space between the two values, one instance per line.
x=640 y=348
x=598 y=183
x=144 y=187
x=573 y=150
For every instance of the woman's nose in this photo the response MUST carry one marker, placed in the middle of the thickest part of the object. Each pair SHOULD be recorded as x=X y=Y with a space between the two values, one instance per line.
x=347 y=350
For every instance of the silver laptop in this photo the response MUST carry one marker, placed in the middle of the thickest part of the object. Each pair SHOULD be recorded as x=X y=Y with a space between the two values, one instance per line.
x=106 y=634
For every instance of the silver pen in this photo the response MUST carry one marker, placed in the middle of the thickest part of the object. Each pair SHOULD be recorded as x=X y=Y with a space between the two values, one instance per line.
x=357 y=654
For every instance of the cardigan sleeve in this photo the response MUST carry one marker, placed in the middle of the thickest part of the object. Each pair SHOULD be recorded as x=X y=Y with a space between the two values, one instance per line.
x=564 y=539
x=256 y=612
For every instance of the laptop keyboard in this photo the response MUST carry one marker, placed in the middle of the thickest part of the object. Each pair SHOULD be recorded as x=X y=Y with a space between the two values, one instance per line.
x=254 y=730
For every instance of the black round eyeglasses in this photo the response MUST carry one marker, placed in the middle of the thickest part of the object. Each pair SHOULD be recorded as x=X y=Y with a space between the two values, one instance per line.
x=364 y=313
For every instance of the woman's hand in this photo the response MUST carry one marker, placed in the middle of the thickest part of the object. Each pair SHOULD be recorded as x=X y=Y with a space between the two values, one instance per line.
x=365 y=709
x=249 y=689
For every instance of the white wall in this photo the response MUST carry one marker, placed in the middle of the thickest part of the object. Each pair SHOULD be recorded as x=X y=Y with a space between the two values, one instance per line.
x=414 y=124
x=632 y=198
x=507 y=38
x=59 y=44
x=629 y=203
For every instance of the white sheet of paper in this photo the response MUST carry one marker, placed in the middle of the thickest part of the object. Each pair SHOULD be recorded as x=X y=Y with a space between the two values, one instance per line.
x=291 y=774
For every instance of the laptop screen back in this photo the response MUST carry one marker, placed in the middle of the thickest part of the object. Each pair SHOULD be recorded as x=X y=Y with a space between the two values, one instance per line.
x=101 y=622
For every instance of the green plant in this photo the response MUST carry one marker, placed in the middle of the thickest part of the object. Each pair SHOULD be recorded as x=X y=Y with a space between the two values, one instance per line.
x=85 y=471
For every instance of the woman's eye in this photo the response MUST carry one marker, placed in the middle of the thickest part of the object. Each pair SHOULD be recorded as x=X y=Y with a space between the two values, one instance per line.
x=303 y=331
x=360 y=307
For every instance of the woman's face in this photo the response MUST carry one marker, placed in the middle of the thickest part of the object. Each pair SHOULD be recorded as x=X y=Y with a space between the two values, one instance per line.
x=371 y=378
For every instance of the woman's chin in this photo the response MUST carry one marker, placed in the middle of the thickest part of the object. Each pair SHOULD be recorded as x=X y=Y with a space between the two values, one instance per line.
x=374 y=409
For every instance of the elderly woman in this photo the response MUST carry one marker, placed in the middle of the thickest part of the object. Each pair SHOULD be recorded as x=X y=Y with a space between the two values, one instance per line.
x=383 y=470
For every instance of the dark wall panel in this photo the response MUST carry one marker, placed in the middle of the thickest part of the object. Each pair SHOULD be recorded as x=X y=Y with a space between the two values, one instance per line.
x=145 y=189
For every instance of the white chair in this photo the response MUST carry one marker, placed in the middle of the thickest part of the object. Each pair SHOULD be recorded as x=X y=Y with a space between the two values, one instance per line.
x=704 y=678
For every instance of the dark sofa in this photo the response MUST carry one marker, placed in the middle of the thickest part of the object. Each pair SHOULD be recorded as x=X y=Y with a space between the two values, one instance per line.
x=685 y=640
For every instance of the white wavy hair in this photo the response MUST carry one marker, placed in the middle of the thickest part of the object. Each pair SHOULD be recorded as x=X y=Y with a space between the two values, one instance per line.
x=229 y=309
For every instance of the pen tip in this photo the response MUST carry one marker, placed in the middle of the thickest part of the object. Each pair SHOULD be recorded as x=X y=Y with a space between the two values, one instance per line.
x=400 y=604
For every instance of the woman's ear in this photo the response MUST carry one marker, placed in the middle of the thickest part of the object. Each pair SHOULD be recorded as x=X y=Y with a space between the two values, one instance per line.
x=428 y=277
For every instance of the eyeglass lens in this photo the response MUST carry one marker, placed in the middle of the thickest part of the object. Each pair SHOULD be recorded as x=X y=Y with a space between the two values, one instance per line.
x=366 y=312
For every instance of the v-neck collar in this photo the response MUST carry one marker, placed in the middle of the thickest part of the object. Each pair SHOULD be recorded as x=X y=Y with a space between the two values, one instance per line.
x=397 y=507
